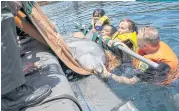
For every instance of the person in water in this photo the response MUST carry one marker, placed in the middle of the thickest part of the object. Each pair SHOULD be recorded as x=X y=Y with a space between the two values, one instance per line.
x=150 y=46
x=99 y=19
x=126 y=33
x=113 y=61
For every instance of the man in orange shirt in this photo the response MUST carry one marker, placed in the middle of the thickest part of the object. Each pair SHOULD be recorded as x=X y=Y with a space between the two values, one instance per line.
x=150 y=46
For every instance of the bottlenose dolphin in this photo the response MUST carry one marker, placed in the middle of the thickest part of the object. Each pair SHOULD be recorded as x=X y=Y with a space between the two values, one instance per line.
x=88 y=53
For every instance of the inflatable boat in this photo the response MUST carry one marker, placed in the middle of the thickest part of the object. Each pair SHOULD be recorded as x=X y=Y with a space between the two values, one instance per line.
x=86 y=94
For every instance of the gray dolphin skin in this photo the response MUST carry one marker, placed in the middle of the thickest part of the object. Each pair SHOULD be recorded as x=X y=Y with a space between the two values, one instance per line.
x=88 y=53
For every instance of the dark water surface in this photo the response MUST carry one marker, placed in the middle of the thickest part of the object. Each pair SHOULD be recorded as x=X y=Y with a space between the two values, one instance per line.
x=163 y=15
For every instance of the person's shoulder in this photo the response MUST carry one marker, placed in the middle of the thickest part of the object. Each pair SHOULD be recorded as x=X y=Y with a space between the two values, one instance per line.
x=165 y=48
x=164 y=45
x=105 y=17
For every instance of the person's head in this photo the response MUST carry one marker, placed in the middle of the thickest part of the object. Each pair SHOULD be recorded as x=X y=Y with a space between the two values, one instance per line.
x=126 y=26
x=108 y=30
x=148 y=39
x=97 y=14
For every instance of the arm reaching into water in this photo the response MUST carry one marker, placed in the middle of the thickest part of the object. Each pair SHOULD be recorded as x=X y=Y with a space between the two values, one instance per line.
x=119 y=79
x=122 y=79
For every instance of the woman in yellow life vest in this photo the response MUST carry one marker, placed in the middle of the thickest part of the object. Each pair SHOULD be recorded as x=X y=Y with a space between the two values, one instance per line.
x=127 y=33
x=99 y=19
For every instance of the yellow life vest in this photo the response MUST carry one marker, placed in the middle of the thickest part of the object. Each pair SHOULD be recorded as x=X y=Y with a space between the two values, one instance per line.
x=103 y=19
x=132 y=37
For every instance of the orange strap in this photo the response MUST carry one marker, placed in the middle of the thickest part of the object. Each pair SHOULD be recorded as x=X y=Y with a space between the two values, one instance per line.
x=29 y=29
x=21 y=14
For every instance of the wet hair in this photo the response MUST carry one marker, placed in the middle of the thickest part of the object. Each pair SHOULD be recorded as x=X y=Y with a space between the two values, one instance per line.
x=99 y=11
x=132 y=26
x=150 y=35
x=114 y=29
